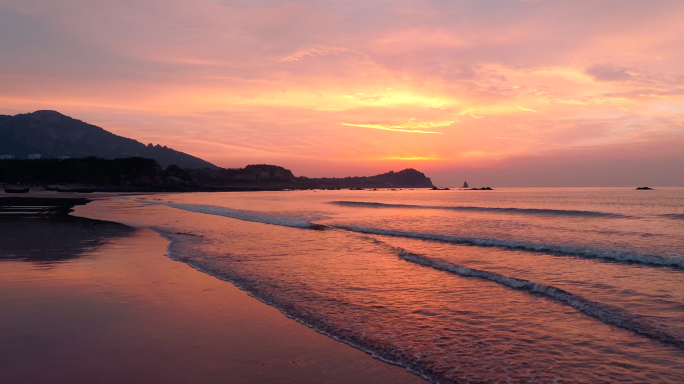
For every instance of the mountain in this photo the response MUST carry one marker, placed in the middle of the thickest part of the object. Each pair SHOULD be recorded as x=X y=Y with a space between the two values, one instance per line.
x=52 y=135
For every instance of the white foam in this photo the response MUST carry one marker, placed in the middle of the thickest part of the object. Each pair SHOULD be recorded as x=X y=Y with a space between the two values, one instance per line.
x=528 y=211
x=606 y=313
x=377 y=351
x=150 y=202
x=528 y=246
x=292 y=220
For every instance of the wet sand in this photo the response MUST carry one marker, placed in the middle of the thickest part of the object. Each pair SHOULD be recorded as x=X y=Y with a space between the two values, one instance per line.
x=85 y=301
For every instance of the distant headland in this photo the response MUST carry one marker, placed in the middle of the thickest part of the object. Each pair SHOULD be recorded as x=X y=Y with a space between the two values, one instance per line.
x=48 y=148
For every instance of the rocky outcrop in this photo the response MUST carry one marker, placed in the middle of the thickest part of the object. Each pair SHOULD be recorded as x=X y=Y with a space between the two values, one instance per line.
x=251 y=174
x=272 y=176
x=176 y=177
x=408 y=178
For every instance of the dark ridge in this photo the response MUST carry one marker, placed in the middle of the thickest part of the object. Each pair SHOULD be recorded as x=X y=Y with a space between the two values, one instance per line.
x=408 y=178
x=260 y=173
x=48 y=135
x=127 y=172
x=53 y=135
x=279 y=177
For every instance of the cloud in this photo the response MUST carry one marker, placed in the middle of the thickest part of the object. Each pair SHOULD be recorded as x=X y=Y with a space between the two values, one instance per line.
x=363 y=97
x=314 y=52
x=603 y=72
x=288 y=79
x=409 y=128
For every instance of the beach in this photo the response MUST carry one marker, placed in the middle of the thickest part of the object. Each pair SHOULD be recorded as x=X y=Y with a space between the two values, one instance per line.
x=512 y=285
x=85 y=301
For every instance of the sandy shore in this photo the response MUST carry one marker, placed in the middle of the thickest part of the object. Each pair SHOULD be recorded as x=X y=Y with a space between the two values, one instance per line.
x=85 y=301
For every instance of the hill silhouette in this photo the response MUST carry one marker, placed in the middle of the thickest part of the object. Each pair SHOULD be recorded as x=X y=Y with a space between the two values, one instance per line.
x=53 y=135
x=276 y=175
x=91 y=155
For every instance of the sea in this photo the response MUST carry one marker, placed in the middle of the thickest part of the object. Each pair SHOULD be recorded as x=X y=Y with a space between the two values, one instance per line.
x=457 y=286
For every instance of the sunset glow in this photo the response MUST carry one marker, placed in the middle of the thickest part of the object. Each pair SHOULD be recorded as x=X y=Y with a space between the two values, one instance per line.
x=333 y=88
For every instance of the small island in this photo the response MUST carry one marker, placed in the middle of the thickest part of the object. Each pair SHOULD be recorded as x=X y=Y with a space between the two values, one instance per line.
x=644 y=189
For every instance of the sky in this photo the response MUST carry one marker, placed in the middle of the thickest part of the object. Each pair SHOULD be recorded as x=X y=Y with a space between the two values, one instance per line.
x=495 y=92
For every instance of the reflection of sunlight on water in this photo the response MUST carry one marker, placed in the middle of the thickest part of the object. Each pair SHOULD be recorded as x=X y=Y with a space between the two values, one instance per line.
x=124 y=308
x=445 y=325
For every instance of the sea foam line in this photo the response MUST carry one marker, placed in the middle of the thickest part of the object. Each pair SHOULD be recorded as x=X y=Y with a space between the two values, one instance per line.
x=291 y=311
x=305 y=222
x=603 y=312
x=527 y=246
x=529 y=211
x=274 y=218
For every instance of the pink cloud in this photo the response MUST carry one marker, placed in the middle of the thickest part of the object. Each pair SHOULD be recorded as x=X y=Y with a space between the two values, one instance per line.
x=279 y=79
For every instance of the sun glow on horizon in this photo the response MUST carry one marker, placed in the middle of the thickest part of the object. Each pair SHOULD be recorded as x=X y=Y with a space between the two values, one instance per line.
x=441 y=84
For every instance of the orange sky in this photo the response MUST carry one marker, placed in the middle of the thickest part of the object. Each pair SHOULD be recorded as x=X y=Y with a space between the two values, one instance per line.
x=493 y=90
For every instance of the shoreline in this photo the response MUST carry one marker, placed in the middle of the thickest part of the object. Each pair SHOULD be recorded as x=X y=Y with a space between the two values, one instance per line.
x=113 y=306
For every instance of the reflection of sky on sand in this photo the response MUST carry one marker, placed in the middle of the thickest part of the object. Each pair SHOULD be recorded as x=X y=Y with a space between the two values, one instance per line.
x=115 y=309
x=47 y=241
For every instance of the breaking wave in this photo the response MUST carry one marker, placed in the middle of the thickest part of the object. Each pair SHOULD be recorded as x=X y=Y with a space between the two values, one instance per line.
x=294 y=220
x=274 y=218
x=606 y=313
x=528 y=246
x=176 y=250
x=151 y=202
x=524 y=211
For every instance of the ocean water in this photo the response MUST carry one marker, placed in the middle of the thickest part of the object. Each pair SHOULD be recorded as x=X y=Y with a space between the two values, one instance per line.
x=511 y=285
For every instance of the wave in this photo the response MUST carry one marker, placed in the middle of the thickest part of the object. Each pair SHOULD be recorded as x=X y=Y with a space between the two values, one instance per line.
x=150 y=202
x=524 y=211
x=554 y=249
x=676 y=216
x=389 y=355
x=274 y=218
x=305 y=222
x=606 y=313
